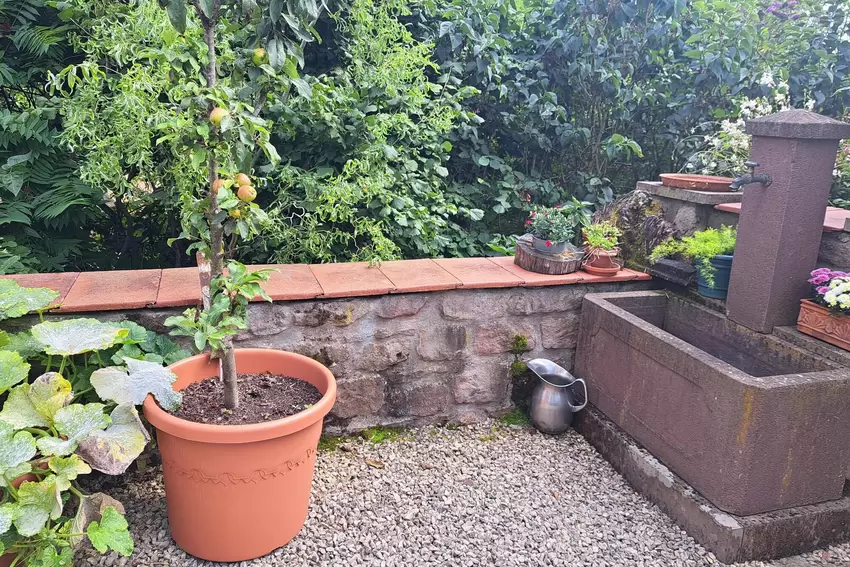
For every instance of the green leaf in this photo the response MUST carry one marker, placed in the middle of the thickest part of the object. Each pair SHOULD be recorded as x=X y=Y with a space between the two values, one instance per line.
x=114 y=449
x=67 y=469
x=207 y=7
x=134 y=384
x=48 y=557
x=74 y=423
x=111 y=533
x=24 y=344
x=19 y=412
x=76 y=336
x=16 y=449
x=49 y=393
x=91 y=509
x=136 y=334
x=37 y=503
x=275 y=8
x=6 y=516
x=13 y=369
x=16 y=301
x=177 y=14
x=441 y=171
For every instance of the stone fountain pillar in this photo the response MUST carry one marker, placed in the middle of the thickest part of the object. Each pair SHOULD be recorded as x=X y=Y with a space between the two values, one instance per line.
x=780 y=226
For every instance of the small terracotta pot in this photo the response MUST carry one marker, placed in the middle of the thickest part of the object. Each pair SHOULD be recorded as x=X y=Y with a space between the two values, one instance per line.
x=819 y=322
x=601 y=263
x=7 y=558
x=237 y=492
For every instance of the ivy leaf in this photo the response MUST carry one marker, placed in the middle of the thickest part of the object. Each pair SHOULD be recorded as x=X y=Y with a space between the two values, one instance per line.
x=16 y=449
x=13 y=369
x=177 y=14
x=111 y=533
x=113 y=450
x=76 y=336
x=134 y=384
x=67 y=469
x=16 y=301
x=74 y=423
x=37 y=503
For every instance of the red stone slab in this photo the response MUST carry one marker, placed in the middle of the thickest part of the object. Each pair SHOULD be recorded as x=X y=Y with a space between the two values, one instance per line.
x=179 y=287
x=479 y=273
x=418 y=275
x=110 y=291
x=60 y=282
x=355 y=279
x=289 y=282
x=834 y=220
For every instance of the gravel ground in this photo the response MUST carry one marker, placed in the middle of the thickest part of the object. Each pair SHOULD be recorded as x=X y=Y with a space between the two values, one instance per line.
x=478 y=495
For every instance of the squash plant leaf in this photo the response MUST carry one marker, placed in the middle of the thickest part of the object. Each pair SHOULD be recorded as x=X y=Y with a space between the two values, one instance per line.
x=67 y=469
x=111 y=533
x=114 y=449
x=74 y=423
x=37 y=503
x=18 y=410
x=49 y=393
x=13 y=369
x=135 y=383
x=7 y=514
x=16 y=449
x=76 y=336
x=16 y=301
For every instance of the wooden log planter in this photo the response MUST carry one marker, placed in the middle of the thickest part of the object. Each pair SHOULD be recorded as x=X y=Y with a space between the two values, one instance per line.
x=527 y=258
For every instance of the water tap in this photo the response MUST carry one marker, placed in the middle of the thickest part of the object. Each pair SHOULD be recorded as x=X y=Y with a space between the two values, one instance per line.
x=751 y=177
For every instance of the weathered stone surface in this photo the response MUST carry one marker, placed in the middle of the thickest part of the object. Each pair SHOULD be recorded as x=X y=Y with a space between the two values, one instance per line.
x=360 y=395
x=338 y=313
x=469 y=416
x=265 y=319
x=496 y=337
x=477 y=304
x=482 y=383
x=383 y=355
x=392 y=306
x=835 y=250
x=560 y=331
x=533 y=301
x=442 y=343
x=427 y=396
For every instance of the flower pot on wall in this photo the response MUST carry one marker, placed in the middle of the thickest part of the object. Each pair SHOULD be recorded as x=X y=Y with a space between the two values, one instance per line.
x=547 y=246
x=819 y=322
x=722 y=265
x=601 y=263
x=237 y=492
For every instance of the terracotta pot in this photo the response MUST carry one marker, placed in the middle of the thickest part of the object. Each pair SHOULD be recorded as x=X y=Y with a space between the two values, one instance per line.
x=819 y=322
x=7 y=558
x=237 y=492
x=697 y=182
x=601 y=263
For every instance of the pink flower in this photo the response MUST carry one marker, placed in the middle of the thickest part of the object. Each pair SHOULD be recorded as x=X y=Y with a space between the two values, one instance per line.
x=533 y=214
x=821 y=272
x=822 y=290
x=548 y=243
x=819 y=279
x=528 y=222
x=557 y=206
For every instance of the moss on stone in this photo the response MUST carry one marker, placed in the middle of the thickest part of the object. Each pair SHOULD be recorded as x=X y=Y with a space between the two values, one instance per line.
x=381 y=434
x=518 y=368
x=519 y=344
x=515 y=417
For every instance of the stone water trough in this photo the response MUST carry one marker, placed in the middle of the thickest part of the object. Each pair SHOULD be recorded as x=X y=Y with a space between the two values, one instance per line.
x=752 y=422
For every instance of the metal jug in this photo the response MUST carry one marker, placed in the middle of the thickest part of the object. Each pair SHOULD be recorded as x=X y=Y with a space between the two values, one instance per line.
x=553 y=401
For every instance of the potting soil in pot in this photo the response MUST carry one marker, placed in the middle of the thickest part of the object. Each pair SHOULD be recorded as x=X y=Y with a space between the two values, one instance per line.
x=263 y=397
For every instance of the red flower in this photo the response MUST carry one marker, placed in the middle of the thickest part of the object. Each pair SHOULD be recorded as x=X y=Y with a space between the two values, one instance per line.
x=548 y=243
x=528 y=222
x=557 y=206
x=533 y=214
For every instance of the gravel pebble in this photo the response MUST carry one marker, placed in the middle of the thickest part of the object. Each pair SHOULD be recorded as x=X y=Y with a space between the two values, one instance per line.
x=478 y=495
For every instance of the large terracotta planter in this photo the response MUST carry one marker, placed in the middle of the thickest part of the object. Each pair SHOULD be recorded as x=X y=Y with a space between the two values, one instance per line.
x=237 y=492
x=819 y=322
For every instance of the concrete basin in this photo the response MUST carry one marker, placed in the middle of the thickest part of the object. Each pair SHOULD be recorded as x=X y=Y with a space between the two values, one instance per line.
x=751 y=421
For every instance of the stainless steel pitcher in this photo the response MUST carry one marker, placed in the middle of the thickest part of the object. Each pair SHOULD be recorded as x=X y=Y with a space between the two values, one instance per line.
x=553 y=402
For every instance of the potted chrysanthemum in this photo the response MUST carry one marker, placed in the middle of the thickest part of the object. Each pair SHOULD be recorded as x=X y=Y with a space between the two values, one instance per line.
x=826 y=315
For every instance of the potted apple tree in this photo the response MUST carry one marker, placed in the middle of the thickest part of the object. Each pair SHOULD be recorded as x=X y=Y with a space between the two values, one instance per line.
x=238 y=455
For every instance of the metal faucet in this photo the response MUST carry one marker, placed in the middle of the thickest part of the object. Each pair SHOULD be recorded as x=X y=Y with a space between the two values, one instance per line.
x=751 y=177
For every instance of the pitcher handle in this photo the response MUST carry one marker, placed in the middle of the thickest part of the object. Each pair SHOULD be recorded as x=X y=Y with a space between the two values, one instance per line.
x=584 y=403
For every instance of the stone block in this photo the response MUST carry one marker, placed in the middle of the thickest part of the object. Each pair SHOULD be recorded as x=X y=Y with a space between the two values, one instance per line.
x=393 y=306
x=482 y=382
x=338 y=313
x=534 y=301
x=360 y=395
x=497 y=337
x=560 y=331
x=470 y=305
x=423 y=398
x=382 y=355
x=266 y=319
x=442 y=343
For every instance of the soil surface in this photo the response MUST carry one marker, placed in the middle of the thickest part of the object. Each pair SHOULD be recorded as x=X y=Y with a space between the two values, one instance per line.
x=262 y=397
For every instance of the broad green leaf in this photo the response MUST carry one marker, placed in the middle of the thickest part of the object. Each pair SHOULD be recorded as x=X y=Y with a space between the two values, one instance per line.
x=136 y=334
x=49 y=393
x=113 y=450
x=4 y=339
x=19 y=412
x=16 y=301
x=67 y=469
x=91 y=509
x=111 y=533
x=16 y=449
x=48 y=557
x=7 y=514
x=207 y=7
x=76 y=336
x=134 y=384
x=24 y=344
x=177 y=14
x=74 y=423
x=37 y=503
x=13 y=369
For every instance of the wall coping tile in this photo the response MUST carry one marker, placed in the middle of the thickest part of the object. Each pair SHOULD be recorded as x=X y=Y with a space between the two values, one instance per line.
x=179 y=287
x=835 y=220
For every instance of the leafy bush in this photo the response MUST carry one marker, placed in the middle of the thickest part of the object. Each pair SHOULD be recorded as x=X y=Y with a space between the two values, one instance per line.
x=699 y=248
x=550 y=224
x=601 y=236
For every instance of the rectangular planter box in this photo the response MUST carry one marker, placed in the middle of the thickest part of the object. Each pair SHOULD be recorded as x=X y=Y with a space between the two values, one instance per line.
x=752 y=422
x=821 y=323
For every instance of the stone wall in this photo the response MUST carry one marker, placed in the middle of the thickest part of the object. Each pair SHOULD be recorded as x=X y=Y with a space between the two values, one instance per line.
x=416 y=358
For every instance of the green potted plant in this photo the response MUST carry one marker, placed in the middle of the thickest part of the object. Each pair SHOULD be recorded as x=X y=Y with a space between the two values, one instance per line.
x=710 y=251
x=826 y=315
x=75 y=416
x=237 y=475
x=600 y=240
x=551 y=229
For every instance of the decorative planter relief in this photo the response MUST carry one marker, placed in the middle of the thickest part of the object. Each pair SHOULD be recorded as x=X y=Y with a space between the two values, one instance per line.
x=819 y=322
